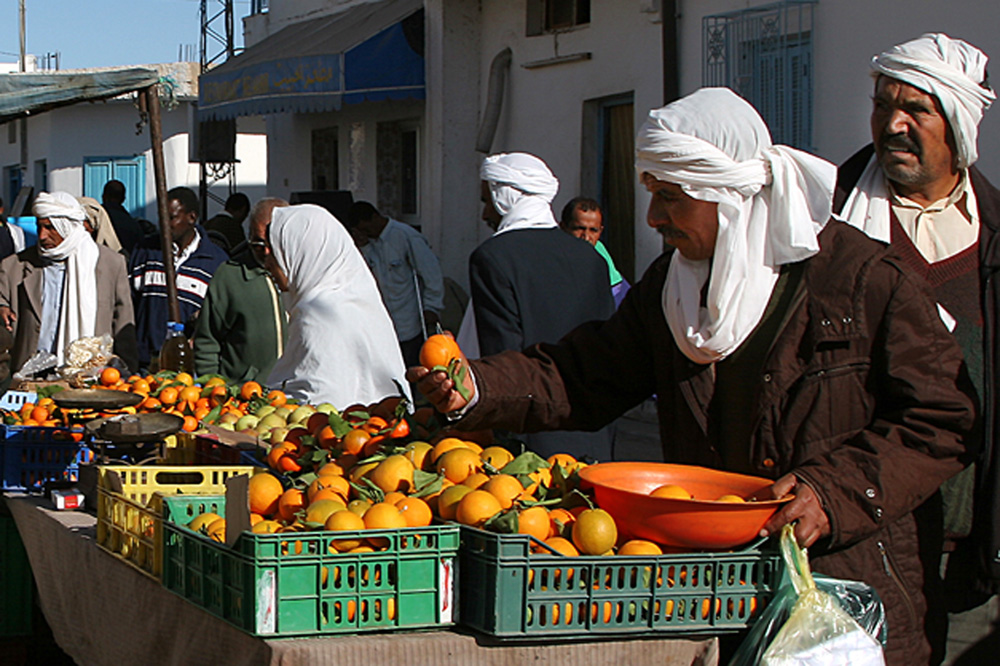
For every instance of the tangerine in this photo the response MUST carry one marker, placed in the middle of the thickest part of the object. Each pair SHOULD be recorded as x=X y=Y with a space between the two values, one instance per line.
x=290 y=503
x=417 y=454
x=497 y=456
x=438 y=350
x=354 y=441
x=594 y=532
x=264 y=490
x=535 y=521
x=505 y=488
x=445 y=445
x=249 y=390
x=639 y=547
x=384 y=515
x=671 y=491
x=110 y=376
x=416 y=511
x=447 y=501
x=345 y=521
x=476 y=508
x=562 y=546
x=458 y=464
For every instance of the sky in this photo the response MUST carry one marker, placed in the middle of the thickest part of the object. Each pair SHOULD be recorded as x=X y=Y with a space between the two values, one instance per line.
x=107 y=33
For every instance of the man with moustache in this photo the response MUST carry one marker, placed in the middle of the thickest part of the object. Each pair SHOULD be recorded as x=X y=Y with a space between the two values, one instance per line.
x=916 y=188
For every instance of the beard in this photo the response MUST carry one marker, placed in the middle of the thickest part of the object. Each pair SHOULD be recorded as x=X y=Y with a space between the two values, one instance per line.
x=897 y=169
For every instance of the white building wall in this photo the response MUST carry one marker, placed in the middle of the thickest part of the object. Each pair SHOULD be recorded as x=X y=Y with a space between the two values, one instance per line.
x=847 y=34
x=66 y=137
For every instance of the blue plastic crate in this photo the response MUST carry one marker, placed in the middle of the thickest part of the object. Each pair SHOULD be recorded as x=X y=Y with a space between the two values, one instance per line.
x=33 y=455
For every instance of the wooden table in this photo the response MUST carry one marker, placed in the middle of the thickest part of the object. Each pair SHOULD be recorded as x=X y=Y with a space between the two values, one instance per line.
x=104 y=612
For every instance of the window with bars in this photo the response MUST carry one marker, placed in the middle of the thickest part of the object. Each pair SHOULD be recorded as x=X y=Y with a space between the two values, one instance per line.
x=545 y=16
x=765 y=55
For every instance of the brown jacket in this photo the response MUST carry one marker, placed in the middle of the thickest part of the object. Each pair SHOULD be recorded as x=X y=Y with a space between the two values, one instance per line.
x=858 y=397
x=21 y=291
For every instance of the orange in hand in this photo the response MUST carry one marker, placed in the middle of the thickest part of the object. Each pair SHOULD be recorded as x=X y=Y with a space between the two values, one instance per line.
x=439 y=350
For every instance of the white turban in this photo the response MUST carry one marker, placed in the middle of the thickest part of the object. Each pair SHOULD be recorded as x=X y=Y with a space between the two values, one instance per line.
x=951 y=70
x=78 y=315
x=773 y=202
x=522 y=188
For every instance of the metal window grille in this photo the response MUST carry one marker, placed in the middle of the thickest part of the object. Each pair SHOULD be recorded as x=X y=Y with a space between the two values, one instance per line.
x=765 y=55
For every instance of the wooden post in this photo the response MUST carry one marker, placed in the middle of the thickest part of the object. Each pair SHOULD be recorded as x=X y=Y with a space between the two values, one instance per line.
x=159 y=175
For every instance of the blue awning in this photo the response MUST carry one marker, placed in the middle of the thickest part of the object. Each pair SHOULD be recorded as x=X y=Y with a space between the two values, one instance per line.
x=368 y=52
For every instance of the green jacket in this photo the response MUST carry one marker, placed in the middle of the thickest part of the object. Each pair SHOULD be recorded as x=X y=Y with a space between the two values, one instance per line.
x=240 y=331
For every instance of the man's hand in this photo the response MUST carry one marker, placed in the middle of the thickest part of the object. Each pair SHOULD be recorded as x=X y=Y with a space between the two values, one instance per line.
x=805 y=508
x=8 y=317
x=439 y=390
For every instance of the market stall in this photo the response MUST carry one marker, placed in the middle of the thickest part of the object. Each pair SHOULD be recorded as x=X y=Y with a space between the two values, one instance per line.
x=104 y=612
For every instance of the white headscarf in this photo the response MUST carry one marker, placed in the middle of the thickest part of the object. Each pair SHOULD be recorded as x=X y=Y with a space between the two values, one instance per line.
x=773 y=202
x=342 y=347
x=78 y=316
x=955 y=73
x=522 y=189
x=100 y=221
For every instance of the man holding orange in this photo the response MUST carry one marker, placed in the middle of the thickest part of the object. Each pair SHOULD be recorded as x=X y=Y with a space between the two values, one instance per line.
x=779 y=342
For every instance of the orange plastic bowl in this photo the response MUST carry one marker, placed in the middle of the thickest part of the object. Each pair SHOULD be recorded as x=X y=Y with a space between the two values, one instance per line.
x=622 y=489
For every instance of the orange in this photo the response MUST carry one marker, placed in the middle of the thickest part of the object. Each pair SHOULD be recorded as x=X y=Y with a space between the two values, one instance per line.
x=417 y=454
x=445 y=445
x=374 y=424
x=476 y=508
x=290 y=503
x=265 y=490
x=535 y=522
x=184 y=378
x=566 y=460
x=416 y=511
x=733 y=499
x=359 y=506
x=319 y=511
x=168 y=396
x=345 y=521
x=329 y=494
x=359 y=472
x=255 y=518
x=354 y=441
x=190 y=424
x=337 y=483
x=476 y=480
x=393 y=473
x=110 y=376
x=277 y=452
x=496 y=456
x=40 y=414
x=190 y=393
x=266 y=527
x=151 y=404
x=562 y=546
x=393 y=497
x=639 y=547
x=277 y=398
x=670 y=491
x=594 y=532
x=384 y=516
x=458 y=464
x=251 y=390
x=217 y=530
x=562 y=522
x=505 y=488
x=337 y=467
x=203 y=520
x=438 y=350
x=447 y=501
x=141 y=386
x=325 y=439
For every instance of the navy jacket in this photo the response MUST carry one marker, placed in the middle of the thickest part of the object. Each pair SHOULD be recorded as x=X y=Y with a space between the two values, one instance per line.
x=149 y=289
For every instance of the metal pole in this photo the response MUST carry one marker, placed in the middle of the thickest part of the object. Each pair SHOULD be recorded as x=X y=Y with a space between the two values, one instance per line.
x=159 y=175
x=23 y=122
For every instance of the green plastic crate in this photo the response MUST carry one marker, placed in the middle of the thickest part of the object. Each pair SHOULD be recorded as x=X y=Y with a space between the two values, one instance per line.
x=15 y=582
x=512 y=593
x=297 y=584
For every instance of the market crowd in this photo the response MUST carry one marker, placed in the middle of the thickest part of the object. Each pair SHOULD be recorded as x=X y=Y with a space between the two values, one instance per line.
x=833 y=330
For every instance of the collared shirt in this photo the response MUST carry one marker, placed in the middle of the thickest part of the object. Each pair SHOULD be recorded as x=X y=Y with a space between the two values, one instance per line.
x=945 y=227
x=398 y=258
x=180 y=256
x=53 y=279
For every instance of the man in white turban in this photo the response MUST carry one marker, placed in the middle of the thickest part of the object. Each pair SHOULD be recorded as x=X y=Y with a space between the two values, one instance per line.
x=778 y=343
x=531 y=282
x=65 y=288
x=916 y=188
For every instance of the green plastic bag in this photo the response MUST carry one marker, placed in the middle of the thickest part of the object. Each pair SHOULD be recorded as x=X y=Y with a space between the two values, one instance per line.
x=806 y=622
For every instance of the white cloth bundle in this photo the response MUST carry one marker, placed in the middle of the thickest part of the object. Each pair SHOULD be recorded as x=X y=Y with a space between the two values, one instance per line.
x=78 y=315
x=773 y=202
x=341 y=347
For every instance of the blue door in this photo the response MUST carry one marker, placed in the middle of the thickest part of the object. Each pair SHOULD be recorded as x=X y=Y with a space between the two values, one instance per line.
x=130 y=170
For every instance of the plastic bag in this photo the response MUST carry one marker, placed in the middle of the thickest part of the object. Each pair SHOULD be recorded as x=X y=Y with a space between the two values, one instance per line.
x=87 y=357
x=817 y=620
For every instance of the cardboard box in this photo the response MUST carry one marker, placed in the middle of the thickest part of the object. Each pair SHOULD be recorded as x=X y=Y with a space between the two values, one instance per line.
x=67 y=499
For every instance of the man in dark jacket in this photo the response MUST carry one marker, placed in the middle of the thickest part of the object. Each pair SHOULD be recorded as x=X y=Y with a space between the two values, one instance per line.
x=226 y=228
x=127 y=228
x=915 y=187
x=778 y=344
x=195 y=260
x=533 y=283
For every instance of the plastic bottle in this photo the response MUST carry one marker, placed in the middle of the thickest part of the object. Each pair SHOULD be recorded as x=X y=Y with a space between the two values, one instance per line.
x=176 y=354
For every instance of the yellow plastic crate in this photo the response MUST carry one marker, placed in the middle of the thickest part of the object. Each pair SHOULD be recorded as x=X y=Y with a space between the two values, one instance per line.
x=130 y=524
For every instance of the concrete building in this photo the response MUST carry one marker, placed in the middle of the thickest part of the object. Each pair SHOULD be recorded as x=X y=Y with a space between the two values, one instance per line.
x=79 y=148
x=582 y=76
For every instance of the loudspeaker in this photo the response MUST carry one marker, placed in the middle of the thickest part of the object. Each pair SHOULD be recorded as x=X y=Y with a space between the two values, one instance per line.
x=338 y=202
x=217 y=141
